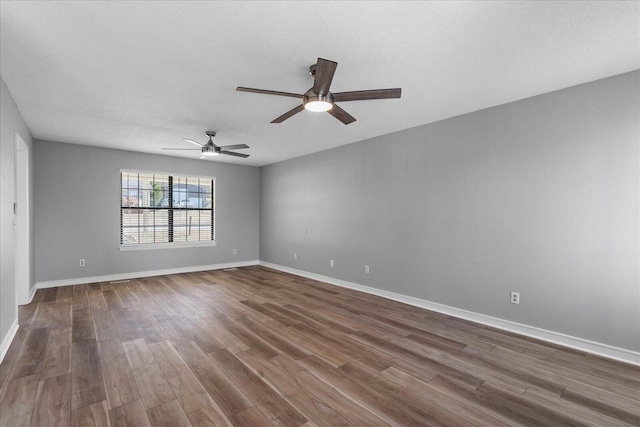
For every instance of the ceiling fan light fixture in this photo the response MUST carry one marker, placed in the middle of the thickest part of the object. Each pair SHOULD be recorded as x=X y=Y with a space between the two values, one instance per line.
x=210 y=153
x=317 y=104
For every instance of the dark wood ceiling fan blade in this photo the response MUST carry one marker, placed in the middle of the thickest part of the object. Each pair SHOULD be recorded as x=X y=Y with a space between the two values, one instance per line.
x=234 y=147
x=324 y=75
x=341 y=115
x=183 y=149
x=268 y=92
x=231 y=153
x=362 y=95
x=288 y=114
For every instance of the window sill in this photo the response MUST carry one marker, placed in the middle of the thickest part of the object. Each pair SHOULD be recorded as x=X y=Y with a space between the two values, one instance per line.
x=152 y=246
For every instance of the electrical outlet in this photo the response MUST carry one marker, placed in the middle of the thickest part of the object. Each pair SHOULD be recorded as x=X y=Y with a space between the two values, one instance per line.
x=366 y=269
x=235 y=251
x=81 y=263
x=295 y=257
x=331 y=263
x=515 y=297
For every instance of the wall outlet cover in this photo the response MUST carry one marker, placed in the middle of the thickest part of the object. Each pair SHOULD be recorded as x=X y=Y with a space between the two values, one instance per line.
x=515 y=297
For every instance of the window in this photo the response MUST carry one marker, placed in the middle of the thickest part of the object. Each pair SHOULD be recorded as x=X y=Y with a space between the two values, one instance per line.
x=161 y=210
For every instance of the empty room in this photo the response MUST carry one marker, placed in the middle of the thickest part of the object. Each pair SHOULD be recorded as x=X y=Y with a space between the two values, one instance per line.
x=304 y=213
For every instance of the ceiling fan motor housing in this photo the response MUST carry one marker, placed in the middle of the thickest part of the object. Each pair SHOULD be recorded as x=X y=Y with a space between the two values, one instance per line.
x=210 y=150
x=311 y=97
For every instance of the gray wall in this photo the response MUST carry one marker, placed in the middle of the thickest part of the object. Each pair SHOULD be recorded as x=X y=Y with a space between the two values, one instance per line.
x=11 y=121
x=538 y=196
x=77 y=214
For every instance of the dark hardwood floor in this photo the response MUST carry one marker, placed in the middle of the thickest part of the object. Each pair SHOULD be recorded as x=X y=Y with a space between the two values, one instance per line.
x=258 y=347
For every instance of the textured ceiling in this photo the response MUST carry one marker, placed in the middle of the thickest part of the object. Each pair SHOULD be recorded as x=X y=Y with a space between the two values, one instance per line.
x=142 y=75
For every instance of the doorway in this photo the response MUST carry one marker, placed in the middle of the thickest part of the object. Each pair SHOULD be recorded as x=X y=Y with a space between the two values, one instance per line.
x=22 y=223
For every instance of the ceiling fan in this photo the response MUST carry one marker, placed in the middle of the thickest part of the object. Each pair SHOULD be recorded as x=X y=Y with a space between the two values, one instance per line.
x=320 y=99
x=210 y=149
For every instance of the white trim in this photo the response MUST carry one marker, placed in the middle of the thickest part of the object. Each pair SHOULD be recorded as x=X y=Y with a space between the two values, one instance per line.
x=22 y=221
x=32 y=293
x=151 y=246
x=581 y=344
x=6 y=341
x=138 y=274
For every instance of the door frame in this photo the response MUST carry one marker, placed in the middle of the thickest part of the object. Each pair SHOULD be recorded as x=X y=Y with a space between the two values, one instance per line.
x=22 y=223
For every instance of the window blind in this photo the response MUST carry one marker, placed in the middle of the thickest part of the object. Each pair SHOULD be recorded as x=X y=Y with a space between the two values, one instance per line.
x=160 y=208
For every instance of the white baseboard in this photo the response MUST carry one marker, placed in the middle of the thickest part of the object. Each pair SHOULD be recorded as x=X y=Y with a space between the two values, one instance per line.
x=576 y=343
x=138 y=274
x=32 y=293
x=7 y=339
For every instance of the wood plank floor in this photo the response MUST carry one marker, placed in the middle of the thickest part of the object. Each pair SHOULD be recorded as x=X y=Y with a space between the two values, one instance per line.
x=258 y=347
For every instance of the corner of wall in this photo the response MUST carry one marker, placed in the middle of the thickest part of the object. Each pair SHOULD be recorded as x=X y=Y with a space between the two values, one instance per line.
x=7 y=339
